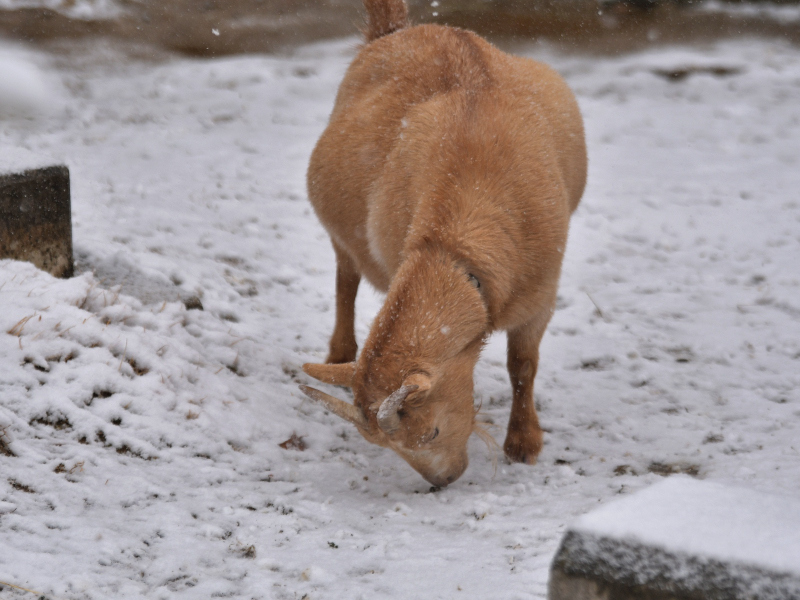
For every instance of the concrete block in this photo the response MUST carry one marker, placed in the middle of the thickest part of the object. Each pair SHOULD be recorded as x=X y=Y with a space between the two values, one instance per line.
x=682 y=539
x=35 y=215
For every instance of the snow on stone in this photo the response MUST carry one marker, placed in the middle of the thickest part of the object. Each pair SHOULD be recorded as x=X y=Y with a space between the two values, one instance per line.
x=18 y=160
x=705 y=519
x=139 y=439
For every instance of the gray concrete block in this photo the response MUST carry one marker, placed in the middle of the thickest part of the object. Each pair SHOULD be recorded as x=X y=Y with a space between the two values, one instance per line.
x=35 y=214
x=682 y=539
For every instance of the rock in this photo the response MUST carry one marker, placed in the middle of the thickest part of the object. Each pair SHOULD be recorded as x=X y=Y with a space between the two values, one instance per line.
x=193 y=303
x=682 y=539
x=35 y=216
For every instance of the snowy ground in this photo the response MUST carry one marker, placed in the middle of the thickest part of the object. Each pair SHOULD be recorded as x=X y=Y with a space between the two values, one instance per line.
x=766 y=10
x=76 y=9
x=139 y=440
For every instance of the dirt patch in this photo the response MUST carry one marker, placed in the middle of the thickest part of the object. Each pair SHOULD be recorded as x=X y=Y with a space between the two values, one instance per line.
x=682 y=73
x=665 y=469
x=610 y=27
x=55 y=421
x=5 y=446
x=21 y=486
x=216 y=27
x=208 y=28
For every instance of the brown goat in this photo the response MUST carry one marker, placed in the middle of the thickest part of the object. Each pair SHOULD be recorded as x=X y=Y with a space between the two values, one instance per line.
x=446 y=176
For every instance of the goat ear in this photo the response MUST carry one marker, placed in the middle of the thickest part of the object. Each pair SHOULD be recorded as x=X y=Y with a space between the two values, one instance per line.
x=341 y=374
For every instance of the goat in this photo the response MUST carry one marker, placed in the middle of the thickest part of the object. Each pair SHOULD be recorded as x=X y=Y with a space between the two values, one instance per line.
x=446 y=177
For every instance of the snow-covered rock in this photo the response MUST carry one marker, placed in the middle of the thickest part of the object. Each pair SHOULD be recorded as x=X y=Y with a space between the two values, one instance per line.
x=683 y=538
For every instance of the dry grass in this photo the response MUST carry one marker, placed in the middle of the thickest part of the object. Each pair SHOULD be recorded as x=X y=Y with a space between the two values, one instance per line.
x=481 y=429
x=16 y=330
x=39 y=595
x=5 y=443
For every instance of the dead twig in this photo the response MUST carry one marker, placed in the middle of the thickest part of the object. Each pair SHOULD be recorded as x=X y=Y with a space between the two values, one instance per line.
x=124 y=356
x=19 y=587
x=481 y=429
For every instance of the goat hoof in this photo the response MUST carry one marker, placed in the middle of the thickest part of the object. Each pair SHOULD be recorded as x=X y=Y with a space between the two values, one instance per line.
x=523 y=447
x=340 y=357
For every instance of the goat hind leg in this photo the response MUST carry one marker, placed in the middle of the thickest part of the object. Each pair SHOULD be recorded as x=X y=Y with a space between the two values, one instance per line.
x=343 y=345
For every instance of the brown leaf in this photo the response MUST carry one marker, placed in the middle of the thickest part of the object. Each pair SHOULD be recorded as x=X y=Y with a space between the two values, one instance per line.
x=294 y=443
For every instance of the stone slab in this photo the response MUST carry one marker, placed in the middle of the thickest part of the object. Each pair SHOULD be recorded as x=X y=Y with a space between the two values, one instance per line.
x=683 y=539
x=35 y=213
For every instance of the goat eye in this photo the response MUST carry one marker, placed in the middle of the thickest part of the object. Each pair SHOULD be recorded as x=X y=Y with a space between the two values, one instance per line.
x=435 y=433
x=474 y=281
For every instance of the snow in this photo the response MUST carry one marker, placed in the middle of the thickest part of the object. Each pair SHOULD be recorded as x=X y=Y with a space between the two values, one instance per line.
x=14 y=159
x=764 y=10
x=24 y=90
x=705 y=519
x=75 y=9
x=139 y=439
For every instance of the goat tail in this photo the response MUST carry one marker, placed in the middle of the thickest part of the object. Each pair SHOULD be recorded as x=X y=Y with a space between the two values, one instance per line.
x=384 y=17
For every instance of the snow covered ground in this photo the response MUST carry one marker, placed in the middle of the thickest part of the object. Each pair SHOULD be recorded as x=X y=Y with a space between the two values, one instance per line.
x=75 y=9
x=781 y=13
x=139 y=439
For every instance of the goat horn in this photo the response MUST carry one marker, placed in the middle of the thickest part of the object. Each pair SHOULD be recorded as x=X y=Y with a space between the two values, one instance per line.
x=348 y=412
x=388 y=419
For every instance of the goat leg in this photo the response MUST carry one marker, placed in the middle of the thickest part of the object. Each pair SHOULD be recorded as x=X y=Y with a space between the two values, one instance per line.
x=524 y=438
x=343 y=344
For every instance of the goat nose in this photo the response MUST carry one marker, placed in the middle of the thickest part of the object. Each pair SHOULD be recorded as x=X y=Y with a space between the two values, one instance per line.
x=446 y=479
x=440 y=482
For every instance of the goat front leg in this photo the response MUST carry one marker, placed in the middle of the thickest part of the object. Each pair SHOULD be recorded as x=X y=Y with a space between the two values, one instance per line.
x=343 y=346
x=524 y=438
